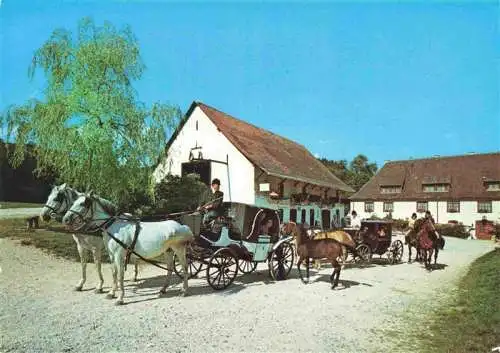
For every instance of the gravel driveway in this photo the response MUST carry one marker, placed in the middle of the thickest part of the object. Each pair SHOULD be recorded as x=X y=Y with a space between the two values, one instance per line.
x=41 y=313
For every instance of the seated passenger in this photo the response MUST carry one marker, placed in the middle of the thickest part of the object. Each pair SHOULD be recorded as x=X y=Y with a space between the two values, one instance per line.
x=266 y=225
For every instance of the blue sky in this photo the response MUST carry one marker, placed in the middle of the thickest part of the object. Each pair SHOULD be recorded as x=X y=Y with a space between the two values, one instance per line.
x=389 y=80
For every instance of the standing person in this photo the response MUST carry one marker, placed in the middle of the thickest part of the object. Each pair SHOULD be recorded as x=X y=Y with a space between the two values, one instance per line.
x=213 y=203
x=411 y=226
x=355 y=221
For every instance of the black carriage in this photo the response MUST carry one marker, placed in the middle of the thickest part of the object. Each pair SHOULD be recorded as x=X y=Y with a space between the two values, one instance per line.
x=375 y=237
x=240 y=238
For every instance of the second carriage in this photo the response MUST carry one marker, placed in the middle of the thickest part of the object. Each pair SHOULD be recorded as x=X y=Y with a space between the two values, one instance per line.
x=236 y=241
x=375 y=237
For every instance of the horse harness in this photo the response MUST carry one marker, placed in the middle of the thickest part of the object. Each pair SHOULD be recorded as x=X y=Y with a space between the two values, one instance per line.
x=130 y=249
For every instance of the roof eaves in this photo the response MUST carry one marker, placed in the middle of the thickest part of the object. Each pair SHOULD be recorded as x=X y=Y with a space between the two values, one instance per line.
x=310 y=181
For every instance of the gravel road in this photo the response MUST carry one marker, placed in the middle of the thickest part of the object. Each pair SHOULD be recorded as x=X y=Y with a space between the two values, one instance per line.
x=41 y=313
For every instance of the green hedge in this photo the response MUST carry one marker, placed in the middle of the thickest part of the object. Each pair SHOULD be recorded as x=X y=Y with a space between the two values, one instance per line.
x=452 y=230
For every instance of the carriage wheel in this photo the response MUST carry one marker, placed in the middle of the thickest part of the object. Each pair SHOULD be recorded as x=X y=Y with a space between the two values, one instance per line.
x=363 y=253
x=222 y=269
x=194 y=267
x=396 y=252
x=281 y=261
x=246 y=266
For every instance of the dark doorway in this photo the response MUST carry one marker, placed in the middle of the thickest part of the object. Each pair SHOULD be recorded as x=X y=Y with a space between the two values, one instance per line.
x=280 y=214
x=293 y=215
x=311 y=218
x=303 y=216
x=325 y=219
x=202 y=168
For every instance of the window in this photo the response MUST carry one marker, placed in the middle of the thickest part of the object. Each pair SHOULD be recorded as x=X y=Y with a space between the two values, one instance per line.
x=436 y=188
x=453 y=206
x=388 y=207
x=422 y=206
x=303 y=216
x=196 y=125
x=493 y=186
x=484 y=207
x=311 y=218
x=369 y=207
x=293 y=215
x=280 y=214
x=390 y=189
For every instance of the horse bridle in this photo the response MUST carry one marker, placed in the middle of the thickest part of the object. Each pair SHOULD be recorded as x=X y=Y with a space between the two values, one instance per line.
x=57 y=211
x=86 y=219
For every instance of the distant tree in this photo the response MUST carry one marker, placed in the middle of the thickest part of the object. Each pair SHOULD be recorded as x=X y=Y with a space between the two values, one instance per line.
x=355 y=174
x=360 y=171
x=338 y=168
x=90 y=129
x=176 y=194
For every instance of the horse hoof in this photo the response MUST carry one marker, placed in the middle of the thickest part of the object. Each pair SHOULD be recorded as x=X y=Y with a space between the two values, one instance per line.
x=78 y=288
x=183 y=294
x=119 y=302
x=110 y=296
x=98 y=291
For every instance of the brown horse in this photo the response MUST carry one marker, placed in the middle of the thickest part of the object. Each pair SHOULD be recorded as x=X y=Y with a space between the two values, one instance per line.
x=413 y=240
x=427 y=241
x=308 y=249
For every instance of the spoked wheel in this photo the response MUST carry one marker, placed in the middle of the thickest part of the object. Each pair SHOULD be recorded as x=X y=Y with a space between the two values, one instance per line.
x=194 y=267
x=363 y=253
x=246 y=266
x=222 y=269
x=396 y=252
x=281 y=261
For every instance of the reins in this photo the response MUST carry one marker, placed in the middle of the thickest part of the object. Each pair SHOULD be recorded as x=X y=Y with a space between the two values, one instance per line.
x=104 y=228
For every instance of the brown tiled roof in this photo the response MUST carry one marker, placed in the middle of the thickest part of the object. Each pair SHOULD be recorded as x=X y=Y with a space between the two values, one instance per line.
x=275 y=155
x=465 y=174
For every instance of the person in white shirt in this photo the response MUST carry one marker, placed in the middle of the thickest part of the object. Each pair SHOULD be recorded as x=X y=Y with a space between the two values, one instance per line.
x=355 y=220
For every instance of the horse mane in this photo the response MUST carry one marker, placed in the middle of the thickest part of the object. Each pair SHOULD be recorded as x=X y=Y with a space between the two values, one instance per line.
x=419 y=223
x=108 y=206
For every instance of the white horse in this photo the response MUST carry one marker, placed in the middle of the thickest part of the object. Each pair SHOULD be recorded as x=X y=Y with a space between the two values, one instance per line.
x=58 y=203
x=151 y=240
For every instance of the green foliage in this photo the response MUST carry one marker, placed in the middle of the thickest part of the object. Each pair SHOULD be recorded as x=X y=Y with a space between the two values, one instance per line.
x=176 y=194
x=90 y=128
x=471 y=323
x=355 y=174
x=452 y=230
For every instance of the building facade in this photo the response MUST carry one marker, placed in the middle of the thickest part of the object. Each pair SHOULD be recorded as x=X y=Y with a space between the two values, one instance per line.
x=461 y=189
x=254 y=166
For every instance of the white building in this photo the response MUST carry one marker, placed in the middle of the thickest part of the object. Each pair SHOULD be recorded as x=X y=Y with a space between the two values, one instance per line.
x=254 y=166
x=458 y=188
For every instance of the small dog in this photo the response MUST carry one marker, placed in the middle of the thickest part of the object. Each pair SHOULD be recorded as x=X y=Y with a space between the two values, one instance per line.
x=32 y=223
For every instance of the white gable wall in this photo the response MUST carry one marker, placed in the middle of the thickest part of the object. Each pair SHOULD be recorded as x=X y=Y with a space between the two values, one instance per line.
x=215 y=146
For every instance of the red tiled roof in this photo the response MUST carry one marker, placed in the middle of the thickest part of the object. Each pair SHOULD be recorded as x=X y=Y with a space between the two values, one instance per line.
x=275 y=155
x=465 y=174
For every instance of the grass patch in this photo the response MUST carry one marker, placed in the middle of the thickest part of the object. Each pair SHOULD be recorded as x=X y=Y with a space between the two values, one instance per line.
x=51 y=237
x=472 y=322
x=5 y=204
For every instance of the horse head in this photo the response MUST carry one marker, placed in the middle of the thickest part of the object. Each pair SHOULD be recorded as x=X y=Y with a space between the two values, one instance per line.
x=88 y=210
x=58 y=203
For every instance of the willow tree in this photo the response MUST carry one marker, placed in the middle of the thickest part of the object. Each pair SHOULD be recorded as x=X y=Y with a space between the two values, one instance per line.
x=89 y=128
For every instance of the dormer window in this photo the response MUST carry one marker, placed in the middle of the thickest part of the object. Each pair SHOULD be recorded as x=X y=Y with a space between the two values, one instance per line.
x=493 y=186
x=436 y=187
x=390 y=189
